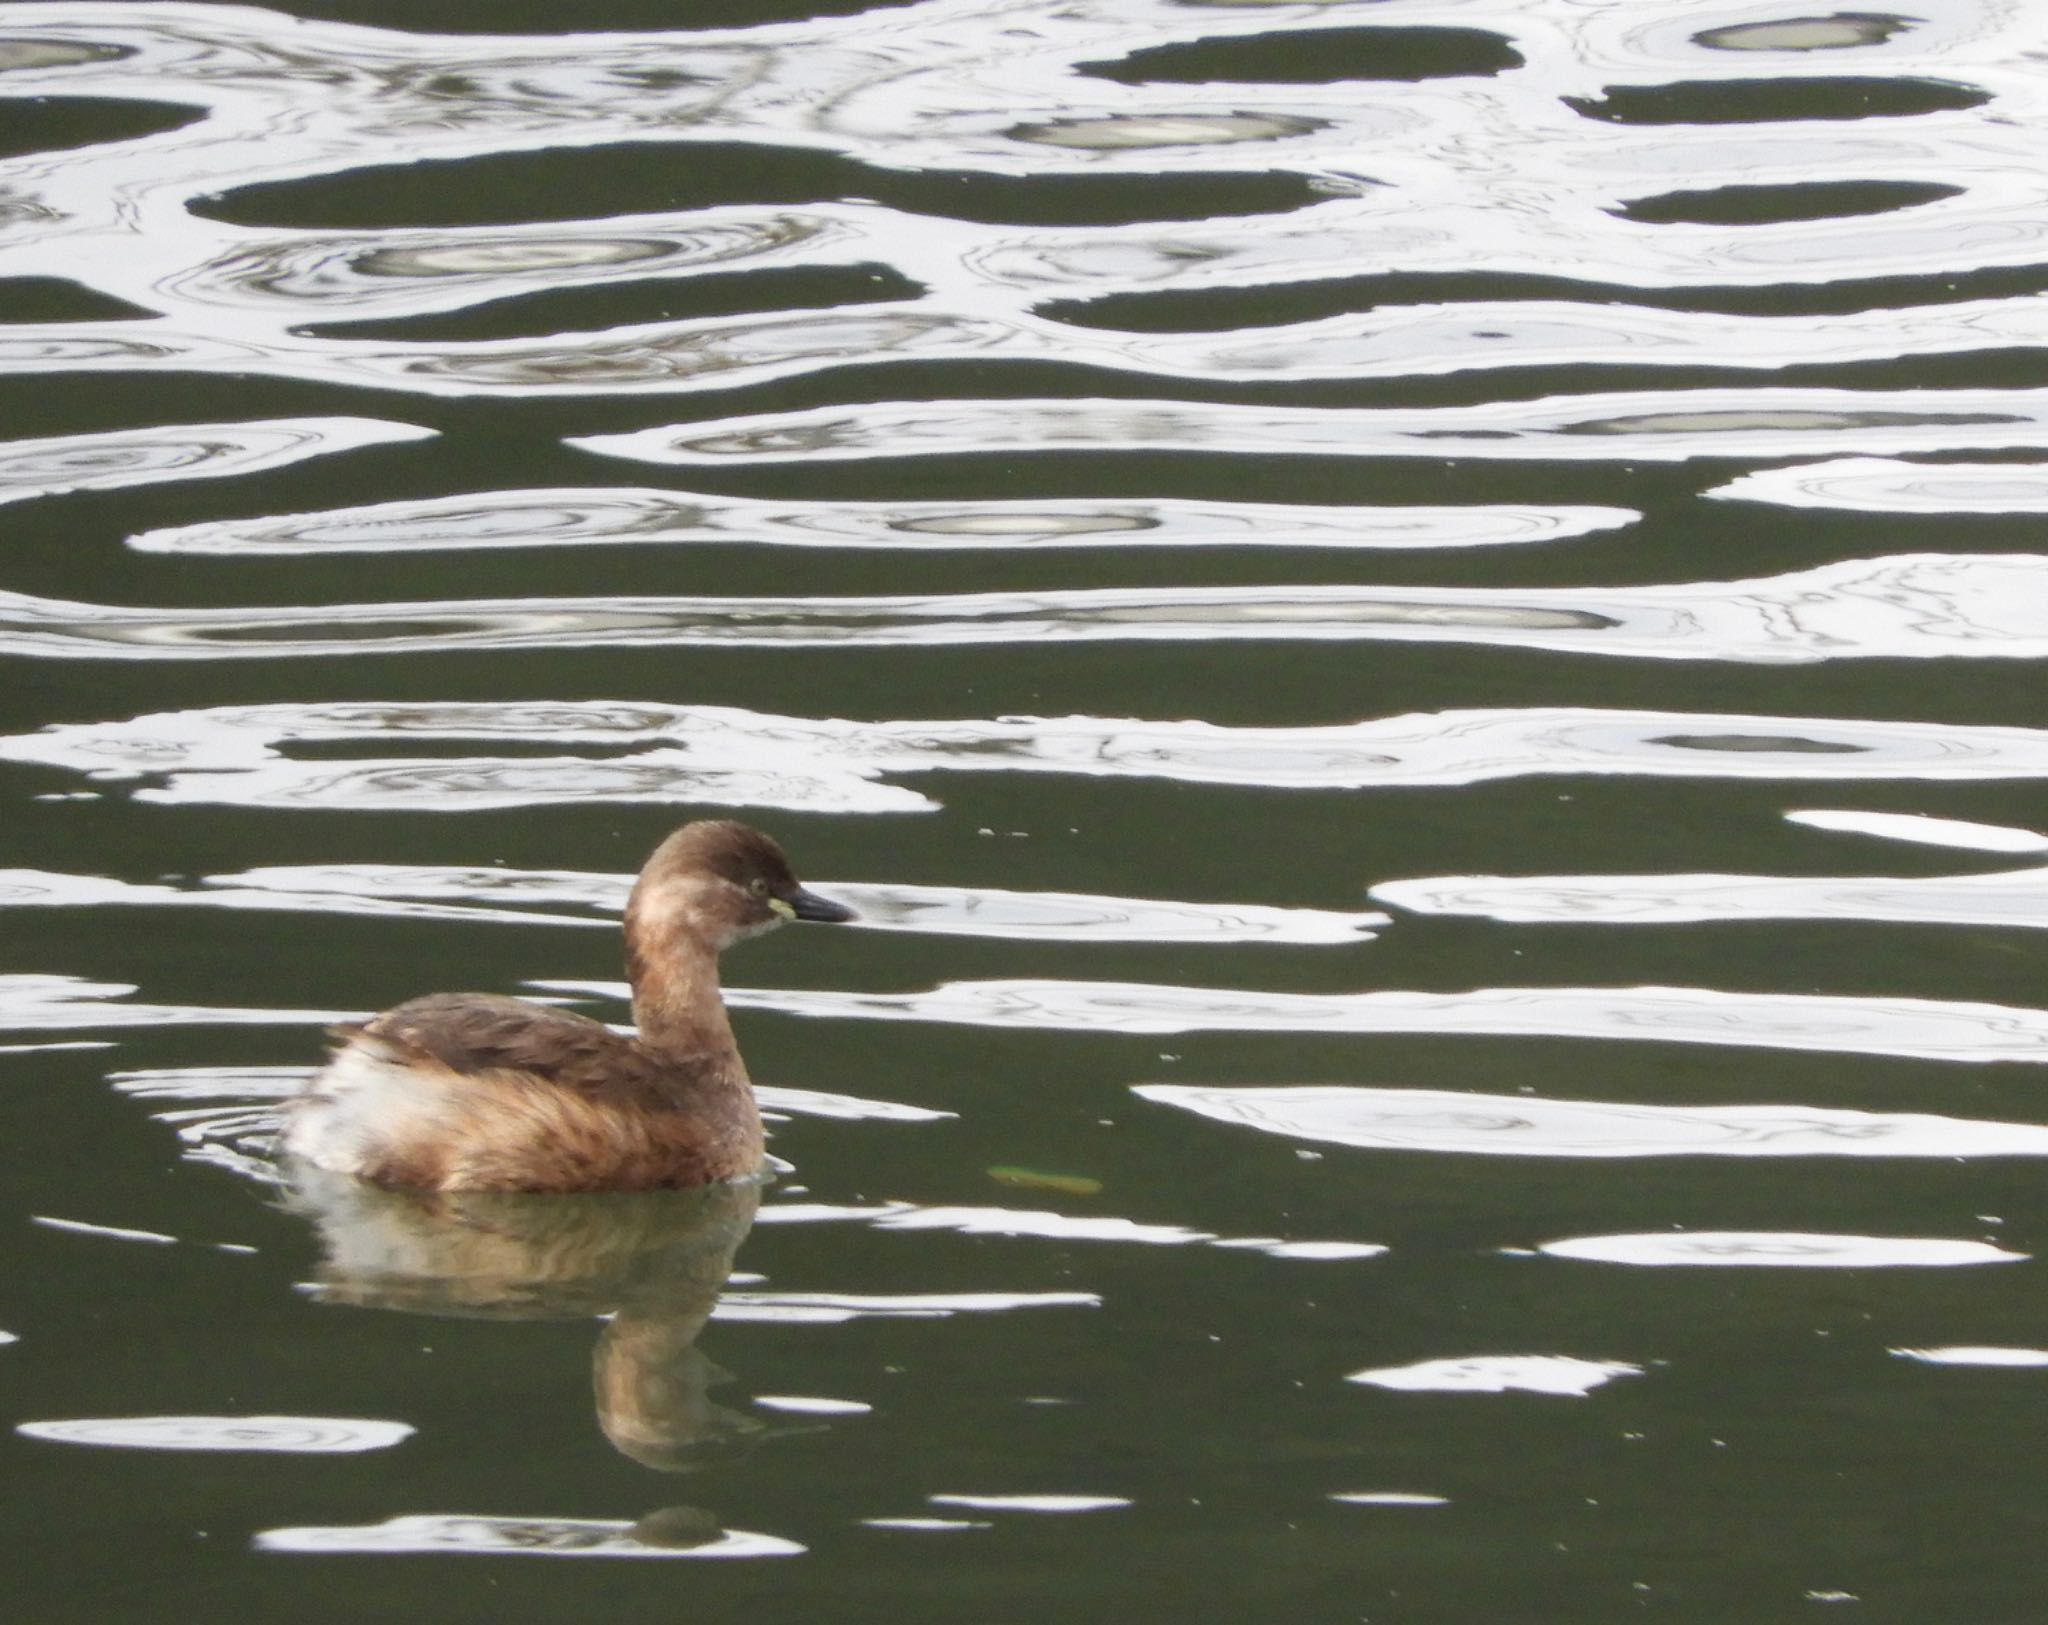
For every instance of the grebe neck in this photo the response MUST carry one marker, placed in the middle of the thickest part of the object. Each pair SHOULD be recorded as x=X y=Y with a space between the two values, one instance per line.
x=676 y=1001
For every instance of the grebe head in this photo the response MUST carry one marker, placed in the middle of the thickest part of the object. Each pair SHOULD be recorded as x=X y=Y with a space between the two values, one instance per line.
x=721 y=882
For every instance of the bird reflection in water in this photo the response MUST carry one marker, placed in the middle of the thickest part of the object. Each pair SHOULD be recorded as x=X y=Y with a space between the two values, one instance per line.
x=650 y=1263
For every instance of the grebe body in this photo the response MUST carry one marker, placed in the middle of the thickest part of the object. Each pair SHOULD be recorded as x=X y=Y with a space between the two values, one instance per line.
x=479 y=1092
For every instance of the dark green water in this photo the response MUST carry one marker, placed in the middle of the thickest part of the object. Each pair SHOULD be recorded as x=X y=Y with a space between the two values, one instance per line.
x=1292 y=561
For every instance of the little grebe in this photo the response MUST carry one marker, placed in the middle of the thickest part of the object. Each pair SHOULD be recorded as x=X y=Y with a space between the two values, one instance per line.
x=477 y=1092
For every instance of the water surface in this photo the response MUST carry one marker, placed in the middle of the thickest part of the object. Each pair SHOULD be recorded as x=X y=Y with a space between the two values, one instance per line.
x=1412 y=624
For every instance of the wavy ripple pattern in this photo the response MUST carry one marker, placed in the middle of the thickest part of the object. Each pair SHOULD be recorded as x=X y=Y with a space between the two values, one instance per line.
x=108 y=461
x=1022 y=323
x=1914 y=606
x=627 y=516
x=237 y=755
x=2016 y=899
x=1929 y=1029
x=290 y=1435
x=458 y=1534
x=1457 y=1122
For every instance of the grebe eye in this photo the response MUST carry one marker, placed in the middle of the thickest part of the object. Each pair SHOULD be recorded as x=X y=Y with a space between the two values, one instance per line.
x=758 y=886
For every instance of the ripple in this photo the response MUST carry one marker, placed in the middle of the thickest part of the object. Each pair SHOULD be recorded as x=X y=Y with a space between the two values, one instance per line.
x=836 y=1308
x=2015 y=899
x=112 y=459
x=1001 y=1221
x=812 y=1405
x=30 y=1001
x=1411 y=341
x=1032 y=1503
x=269 y=1083
x=1923 y=829
x=458 y=1533
x=1773 y=101
x=1456 y=1122
x=1977 y=1355
x=23 y=55
x=599 y=516
x=36 y=888
x=231 y=756
x=1746 y=207
x=390 y=273
x=1927 y=1029
x=1670 y=426
x=934 y=94
x=728 y=354
x=1073 y=917
x=932 y=910
x=1908 y=606
x=1561 y=1374
x=481 y=784
x=1125 y=132
x=111 y=1231
x=681 y=356
x=782 y=1098
x=499 y=255
x=1315 y=56
x=1841 y=31
x=1777 y=1250
x=1886 y=485
x=291 y=1435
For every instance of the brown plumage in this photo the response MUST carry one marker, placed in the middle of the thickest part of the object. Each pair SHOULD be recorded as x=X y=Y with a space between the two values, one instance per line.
x=476 y=1091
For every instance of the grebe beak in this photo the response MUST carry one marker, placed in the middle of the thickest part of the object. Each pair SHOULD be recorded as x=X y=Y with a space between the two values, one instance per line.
x=808 y=905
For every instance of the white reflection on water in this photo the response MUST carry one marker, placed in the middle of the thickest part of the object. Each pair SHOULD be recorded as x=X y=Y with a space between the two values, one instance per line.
x=110 y=459
x=1930 y=1029
x=1413 y=341
x=1843 y=31
x=1884 y=485
x=1914 y=606
x=2017 y=898
x=387 y=890
x=1645 y=426
x=981 y=911
x=291 y=1435
x=1778 y=1250
x=439 y=1533
x=1922 y=828
x=31 y=1002
x=1003 y=1221
x=1499 y=1374
x=37 y=888
x=1490 y=177
x=111 y=1231
x=1977 y=1354
x=812 y=1405
x=1461 y=1123
x=235 y=755
x=615 y=516
x=1409 y=178
x=1072 y=917
x=784 y=1100
x=834 y=1308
